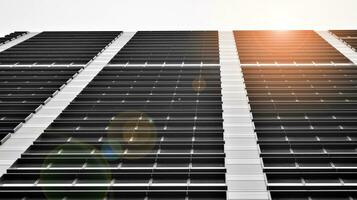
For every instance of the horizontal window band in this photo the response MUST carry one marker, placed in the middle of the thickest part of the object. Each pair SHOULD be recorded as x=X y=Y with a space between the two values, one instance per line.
x=115 y=168
x=166 y=184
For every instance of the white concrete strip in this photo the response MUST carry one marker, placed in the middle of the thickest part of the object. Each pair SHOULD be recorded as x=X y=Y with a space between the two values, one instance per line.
x=339 y=45
x=245 y=178
x=17 y=41
x=24 y=137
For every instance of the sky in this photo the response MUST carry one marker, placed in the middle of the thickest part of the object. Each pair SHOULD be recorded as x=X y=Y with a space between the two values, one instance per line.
x=130 y=15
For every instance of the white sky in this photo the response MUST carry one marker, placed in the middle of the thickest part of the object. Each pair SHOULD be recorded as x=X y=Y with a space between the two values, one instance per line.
x=39 y=15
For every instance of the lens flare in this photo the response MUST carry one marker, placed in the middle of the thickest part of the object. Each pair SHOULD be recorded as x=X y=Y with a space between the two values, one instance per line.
x=133 y=133
x=47 y=176
x=199 y=84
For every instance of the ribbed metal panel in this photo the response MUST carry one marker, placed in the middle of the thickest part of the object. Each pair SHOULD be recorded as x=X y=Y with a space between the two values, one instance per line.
x=27 y=83
x=77 y=47
x=171 y=47
x=305 y=121
x=304 y=118
x=135 y=132
x=285 y=47
x=37 y=122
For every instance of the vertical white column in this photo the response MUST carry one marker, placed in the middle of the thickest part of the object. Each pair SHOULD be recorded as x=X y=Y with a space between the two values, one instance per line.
x=245 y=178
x=342 y=47
x=17 y=41
x=12 y=149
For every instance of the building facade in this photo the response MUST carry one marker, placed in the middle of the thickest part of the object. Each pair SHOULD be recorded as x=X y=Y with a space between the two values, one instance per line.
x=238 y=115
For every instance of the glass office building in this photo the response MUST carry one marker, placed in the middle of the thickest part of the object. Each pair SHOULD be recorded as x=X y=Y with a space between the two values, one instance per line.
x=178 y=115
